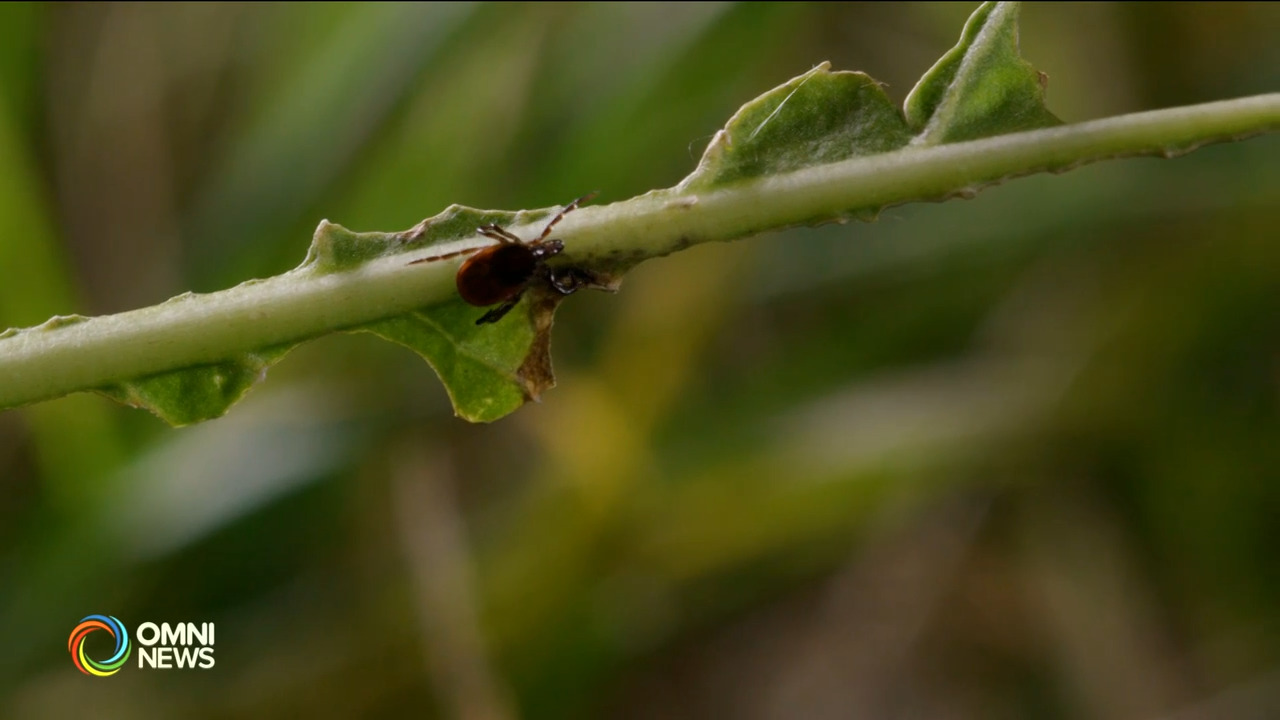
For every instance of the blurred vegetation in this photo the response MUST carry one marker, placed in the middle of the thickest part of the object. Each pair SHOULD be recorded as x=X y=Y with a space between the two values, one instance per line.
x=1009 y=457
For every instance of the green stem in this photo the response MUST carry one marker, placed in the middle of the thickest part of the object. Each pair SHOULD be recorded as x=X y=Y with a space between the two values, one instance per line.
x=661 y=223
x=63 y=356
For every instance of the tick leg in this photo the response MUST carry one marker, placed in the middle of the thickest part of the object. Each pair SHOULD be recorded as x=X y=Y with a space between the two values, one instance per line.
x=560 y=215
x=499 y=312
x=499 y=233
x=446 y=256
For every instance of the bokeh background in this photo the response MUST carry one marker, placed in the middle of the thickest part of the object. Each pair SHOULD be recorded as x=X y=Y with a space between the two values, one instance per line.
x=1011 y=457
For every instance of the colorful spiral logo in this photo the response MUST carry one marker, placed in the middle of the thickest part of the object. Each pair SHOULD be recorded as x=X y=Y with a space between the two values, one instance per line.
x=92 y=667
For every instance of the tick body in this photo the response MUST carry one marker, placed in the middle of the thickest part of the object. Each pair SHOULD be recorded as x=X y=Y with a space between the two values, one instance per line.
x=499 y=274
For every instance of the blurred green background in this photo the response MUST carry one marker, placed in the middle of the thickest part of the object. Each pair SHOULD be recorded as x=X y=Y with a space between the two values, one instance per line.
x=1002 y=458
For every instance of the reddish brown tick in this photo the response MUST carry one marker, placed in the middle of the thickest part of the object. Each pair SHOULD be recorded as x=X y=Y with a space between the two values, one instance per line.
x=499 y=274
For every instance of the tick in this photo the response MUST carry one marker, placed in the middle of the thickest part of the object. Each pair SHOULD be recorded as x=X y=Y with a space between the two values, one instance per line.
x=500 y=274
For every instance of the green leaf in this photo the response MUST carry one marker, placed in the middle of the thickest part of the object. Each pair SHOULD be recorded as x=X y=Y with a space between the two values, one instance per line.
x=982 y=87
x=489 y=371
x=200 y=393
x=818 y=118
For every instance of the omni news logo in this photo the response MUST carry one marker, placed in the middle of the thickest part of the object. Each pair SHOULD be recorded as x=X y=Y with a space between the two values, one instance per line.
x=89 y=666
x=163 y=646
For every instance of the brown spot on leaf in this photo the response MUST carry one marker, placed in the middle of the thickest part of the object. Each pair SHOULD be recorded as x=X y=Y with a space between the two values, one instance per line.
x=535 y=373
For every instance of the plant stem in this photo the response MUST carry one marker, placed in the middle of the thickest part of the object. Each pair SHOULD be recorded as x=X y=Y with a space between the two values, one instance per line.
x=61 y=357
x=658 y=224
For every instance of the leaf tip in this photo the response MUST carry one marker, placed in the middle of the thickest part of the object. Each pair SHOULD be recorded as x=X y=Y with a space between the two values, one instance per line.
x=981 y=87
